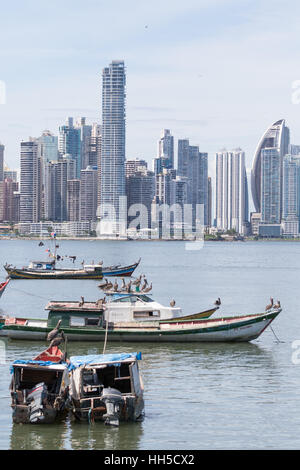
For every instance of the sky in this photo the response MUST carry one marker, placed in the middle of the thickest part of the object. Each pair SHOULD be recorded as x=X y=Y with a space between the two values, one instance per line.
x=218 y=72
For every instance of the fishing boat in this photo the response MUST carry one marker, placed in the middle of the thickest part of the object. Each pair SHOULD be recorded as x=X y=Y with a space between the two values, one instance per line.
x=136 y=317
x=3 y=286
x=39 y=388
x=49 y=270
x=106 y=387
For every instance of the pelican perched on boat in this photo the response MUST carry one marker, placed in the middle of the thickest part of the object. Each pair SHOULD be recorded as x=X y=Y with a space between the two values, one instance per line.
x=144 y=285
x=103 y=285
x=270 y=305
x=172 y=303
x=148 y=289
x=218 y=301
x=58 y=340
x=81 y=302
x=278 y=305
x=137 y=281
x=123 y=286
x=108 y=286
x=116 y=286
x=54 y=332
x=128 y=287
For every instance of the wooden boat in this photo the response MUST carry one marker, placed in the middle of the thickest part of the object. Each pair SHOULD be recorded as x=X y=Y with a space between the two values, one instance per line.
x=39 y=388
x=3 y=286
x=140 y=321
x=48 y=270
x=106 y=387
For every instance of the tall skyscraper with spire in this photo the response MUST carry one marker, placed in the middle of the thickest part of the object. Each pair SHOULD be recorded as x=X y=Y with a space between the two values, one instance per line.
x=112 y=166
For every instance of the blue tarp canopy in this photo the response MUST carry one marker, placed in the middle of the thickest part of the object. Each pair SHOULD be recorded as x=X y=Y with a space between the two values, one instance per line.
x=78 y=361
x=38 y=363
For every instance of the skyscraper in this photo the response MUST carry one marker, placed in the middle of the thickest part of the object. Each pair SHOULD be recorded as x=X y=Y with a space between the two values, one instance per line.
x=166 y=149
x=73 y=200
x=30 y=182
x=70 y=143
x=231 y=190
x=183 y=157
x=49 y=146
x=270 y=186
x=88 y=194
x=1 y=161
x=112 y=165
x=276 y=136
x=291 y=195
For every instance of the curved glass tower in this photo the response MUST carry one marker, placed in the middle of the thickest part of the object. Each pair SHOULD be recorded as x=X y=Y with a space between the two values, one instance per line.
x=276 y=136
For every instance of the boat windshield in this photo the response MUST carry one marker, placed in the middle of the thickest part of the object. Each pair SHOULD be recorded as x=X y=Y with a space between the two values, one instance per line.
x=131 y=298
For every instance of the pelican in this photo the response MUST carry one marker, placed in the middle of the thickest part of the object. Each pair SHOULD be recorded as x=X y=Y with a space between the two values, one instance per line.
x=138 y=280
x=123 y=286
x=108 y=286
x=218 y=301
x=268 y=307
x=144 y=285
x=172 y=303
x=54 y=332
x=103 y=284
x=116 y=286
x=81 y=302
x=148 y=289
x=278 y=305
x=58 y=340
x=128 y=287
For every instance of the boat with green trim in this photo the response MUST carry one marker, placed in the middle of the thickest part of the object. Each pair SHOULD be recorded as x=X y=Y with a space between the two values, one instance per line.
x=135 y=317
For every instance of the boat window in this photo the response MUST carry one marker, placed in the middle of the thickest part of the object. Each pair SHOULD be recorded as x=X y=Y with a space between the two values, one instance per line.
x=122 y=299
x=145 y=298
x=77 y=321
x=146 y=314
x=92 y=321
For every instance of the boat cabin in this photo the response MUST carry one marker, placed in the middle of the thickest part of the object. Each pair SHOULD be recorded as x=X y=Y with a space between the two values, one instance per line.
x=42 y=265
x=73 y=314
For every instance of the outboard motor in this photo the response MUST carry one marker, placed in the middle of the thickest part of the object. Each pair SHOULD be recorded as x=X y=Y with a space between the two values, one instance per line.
x=35 y=399
x=112 y=399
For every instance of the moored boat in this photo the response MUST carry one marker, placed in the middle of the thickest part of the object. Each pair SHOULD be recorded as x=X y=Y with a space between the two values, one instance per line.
x=133 y=317
x=48 y=270
x=106 y=387
x=39 y=388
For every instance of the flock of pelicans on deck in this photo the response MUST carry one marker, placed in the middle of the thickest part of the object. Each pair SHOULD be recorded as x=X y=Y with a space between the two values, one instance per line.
x=140 y=285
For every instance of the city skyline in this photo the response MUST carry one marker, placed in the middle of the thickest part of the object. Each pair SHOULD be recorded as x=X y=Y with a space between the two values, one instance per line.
x=62 y=79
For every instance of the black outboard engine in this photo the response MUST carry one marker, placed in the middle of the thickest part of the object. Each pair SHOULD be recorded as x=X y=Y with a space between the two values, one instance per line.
x=112 y=399
x=35 y=401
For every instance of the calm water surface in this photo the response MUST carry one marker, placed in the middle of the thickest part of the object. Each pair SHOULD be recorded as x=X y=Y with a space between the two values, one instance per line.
x=203 y=396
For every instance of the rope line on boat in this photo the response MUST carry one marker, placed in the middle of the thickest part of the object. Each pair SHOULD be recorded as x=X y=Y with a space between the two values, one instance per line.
x=278 y=340
x=28 y=293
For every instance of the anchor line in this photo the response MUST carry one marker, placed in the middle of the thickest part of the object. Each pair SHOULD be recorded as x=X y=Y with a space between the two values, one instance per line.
x=278 y=340
x=28 y=293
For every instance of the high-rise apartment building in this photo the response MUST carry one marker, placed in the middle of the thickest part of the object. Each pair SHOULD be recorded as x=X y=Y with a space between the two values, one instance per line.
x=69 y=143
x=166 y=149
x=48 y=146
x=112 y=166
x=88 y=194
x=30 y=182
x=276 y=136
x=270 y=186
x=135 y=165
x=140 y=191
x=231 y=191
x=183 y=157
x=73 y=200
x=291 y=195
x=1 y=161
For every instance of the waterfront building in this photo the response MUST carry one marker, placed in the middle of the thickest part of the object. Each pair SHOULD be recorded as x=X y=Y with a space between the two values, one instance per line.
x=88 y=194
x=276 y=136
x=140 y=191
x=8 y=201
x=73 y=200
x=1 y=161
x=231 y=191
x=70 y=143
x=112 y=166
x=69 y=229
x=30 y=182
x=255 y=219
x=270 y=186
x=209 y=202
x=291 y=195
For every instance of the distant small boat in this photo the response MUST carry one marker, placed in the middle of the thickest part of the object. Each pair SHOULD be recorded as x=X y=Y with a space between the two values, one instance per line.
x=39 y=388
x=3 y=286
x=48 y=270
x=106 y=387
